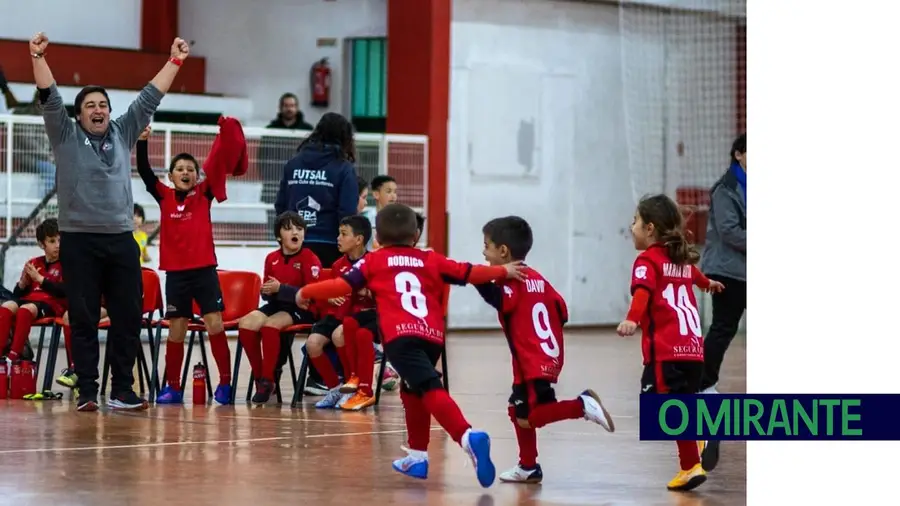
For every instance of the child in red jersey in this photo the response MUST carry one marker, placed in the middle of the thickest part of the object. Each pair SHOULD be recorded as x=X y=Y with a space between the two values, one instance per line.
x=287 y=268
x=356 y=312
x=663 y=306
x=39 y=292
x=408 y=286
x=187 y=254
x=532 y=314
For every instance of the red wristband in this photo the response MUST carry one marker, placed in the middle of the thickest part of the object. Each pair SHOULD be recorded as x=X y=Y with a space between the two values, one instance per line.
x=176 y=61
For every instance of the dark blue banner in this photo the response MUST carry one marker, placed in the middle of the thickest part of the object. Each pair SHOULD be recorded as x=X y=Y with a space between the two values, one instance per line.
x=770 y=417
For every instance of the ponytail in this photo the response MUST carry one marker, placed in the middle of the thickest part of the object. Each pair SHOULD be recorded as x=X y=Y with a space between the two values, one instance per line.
x=680 y=251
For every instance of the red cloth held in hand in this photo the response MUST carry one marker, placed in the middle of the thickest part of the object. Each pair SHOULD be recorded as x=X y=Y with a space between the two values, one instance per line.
x=228 y=156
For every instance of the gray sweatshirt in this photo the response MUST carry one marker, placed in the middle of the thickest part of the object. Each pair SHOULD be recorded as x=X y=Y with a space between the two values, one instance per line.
x=93 y=173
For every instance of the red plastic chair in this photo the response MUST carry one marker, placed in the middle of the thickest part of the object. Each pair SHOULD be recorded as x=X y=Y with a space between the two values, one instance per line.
x=240 y=295
x=151 y=303
x=288 y=335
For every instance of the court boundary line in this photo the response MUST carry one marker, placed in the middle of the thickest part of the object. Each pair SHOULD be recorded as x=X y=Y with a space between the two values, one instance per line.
x=197 y=443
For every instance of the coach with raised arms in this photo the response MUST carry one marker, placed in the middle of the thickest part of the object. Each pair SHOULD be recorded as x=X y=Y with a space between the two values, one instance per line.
x=98 y=254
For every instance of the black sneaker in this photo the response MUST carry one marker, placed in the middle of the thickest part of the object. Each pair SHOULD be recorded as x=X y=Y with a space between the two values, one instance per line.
x=710 y=455
x=87 y=403
x=127 y=401
x=314 y=387
x=264 y=389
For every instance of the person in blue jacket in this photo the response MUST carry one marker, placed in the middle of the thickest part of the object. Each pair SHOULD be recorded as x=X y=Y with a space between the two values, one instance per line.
x=320 y=184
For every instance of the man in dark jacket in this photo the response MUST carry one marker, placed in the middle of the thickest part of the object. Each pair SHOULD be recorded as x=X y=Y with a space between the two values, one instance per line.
x=275 y=151
x=724 y=259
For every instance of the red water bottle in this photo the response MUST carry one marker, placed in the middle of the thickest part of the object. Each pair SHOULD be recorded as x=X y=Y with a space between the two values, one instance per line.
x=15 y=381
x=4 y=379
x=199 y=384
x=29 y=378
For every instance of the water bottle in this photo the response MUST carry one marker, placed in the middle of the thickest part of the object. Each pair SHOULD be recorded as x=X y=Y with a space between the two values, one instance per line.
x=199 y=384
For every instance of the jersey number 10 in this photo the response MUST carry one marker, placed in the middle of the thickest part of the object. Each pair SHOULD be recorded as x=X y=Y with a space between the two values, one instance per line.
x=687 y=313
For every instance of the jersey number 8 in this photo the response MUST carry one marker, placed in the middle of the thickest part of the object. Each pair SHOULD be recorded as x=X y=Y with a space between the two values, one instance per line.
x=541 y=319
x=411 y=297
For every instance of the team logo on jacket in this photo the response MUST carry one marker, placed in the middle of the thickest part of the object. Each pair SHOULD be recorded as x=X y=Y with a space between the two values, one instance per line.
x=309 y=209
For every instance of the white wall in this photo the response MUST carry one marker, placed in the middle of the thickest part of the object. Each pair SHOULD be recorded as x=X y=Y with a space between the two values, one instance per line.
x=263 y=49
x=548 y=110
x=107 y=23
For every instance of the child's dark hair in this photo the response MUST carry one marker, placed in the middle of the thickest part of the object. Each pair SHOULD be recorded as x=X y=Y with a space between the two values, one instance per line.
x=668 y=223
x=139 y=212
x=739 y=146
x=360 y=225
x=333 y=129
x=420 y=222
x=510 y=231
x=47 y=229
x=396 y=225
x=361 y=185
x=285 y=221
x=379 y=181
x=184 y=156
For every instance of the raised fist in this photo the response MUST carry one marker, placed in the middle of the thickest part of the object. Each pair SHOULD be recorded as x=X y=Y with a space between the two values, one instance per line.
x=38 y=43
x=180 y=49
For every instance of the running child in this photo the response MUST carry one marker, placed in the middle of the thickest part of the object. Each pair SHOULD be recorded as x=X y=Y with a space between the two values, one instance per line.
x=532 y=314
x=662 y=289
x=39 y=293
x=286 y=269
x=187 y=252
x=408 y=284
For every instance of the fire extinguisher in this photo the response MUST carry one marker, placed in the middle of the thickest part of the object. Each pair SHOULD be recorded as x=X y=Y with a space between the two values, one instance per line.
x=320 y=83
x=199 y=384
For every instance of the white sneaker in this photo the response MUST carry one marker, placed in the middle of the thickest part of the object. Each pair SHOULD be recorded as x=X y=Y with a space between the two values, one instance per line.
x=331 y=399
x=595 y=412
x=519 y=475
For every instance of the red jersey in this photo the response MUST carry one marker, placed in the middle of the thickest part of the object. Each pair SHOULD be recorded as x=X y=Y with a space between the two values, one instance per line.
x=532 y=314
x=671 y=325
x=408 y=286
x=51 y=291
x=297 y=270
x=360 y=300
x=185 y=233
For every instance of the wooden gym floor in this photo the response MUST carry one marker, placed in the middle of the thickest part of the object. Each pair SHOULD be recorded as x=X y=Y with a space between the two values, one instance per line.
x=222 y=455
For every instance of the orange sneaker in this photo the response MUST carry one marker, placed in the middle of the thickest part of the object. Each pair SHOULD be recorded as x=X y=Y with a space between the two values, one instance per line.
x=359 y=402
x=351 y=385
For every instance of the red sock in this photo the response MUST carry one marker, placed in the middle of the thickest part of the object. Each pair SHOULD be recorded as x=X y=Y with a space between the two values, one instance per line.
x=544 y=414
x=271 y=345
x=345 y=361
x=250 y=340
x=350 y=333
x=23 y=327
x=323 y=364
x=418 y=421
x=527 y=439
x=174 y=361
x=447 y=413
x=7 y=319
x=365 y=360
x=67 y=337
x=688 y=454
x=218 y=343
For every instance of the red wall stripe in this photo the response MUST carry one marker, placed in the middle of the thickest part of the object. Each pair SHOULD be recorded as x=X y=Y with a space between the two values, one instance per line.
x=159 y=25
x=419 y=92
x=741 y=48
x=123 y=69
